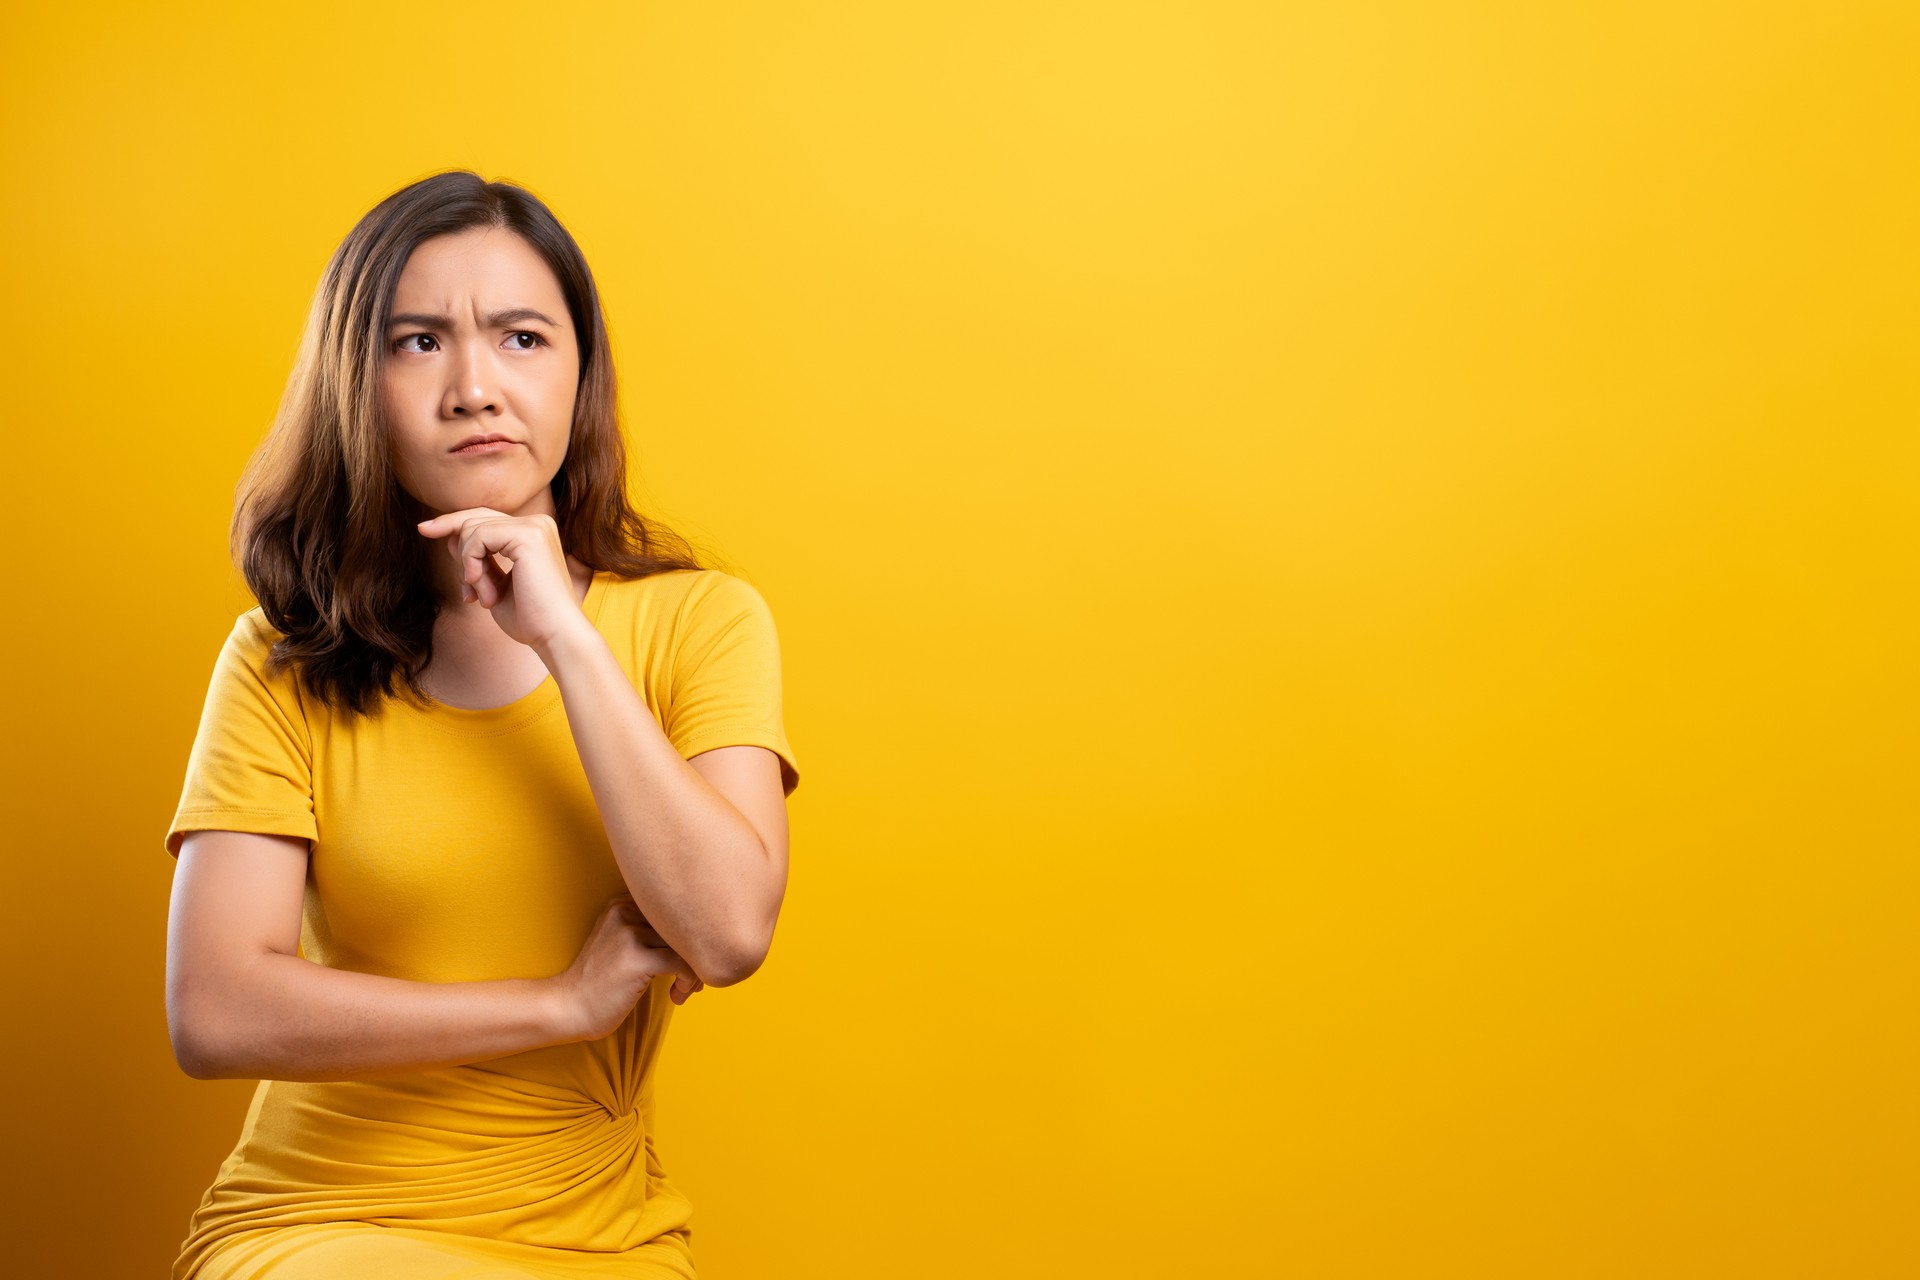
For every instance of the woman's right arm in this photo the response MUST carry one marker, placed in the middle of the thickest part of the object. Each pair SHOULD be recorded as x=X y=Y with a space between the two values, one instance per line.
x=242 y=1003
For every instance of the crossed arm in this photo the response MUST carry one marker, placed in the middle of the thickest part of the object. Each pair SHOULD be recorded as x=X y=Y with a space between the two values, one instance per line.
x=701 y=843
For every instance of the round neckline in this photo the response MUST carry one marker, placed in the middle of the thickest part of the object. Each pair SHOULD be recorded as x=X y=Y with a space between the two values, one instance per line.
x=535 y=704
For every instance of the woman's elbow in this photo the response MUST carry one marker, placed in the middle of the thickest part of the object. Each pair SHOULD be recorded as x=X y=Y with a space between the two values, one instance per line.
x=736 y=964
x=193 y=1056
x=198 y=1047
x=198 y=1068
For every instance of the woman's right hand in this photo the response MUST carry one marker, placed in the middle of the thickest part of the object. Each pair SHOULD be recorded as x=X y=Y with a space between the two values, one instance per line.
x=621 y=956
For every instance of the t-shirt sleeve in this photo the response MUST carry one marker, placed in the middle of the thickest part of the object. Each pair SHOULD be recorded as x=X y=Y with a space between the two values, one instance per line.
x=251 y=768
x=725 y=685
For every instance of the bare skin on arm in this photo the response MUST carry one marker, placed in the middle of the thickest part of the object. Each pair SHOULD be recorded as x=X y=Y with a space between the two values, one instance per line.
x=242 y=1003
x=703 y=849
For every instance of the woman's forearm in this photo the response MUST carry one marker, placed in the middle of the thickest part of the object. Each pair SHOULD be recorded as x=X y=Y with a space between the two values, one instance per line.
x=692 y=861
x=281 y=1017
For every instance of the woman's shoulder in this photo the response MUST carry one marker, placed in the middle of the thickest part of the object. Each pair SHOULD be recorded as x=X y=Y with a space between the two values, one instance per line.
x=252 y=629
x=244 y=675
x=250 y=639
x=251 y=642
x=680 y=589
x=678 y=607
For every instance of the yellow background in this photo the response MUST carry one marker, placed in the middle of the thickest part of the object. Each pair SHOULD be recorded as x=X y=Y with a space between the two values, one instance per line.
x=1346 y=574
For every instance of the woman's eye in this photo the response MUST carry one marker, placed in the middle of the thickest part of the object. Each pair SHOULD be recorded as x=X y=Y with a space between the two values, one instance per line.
x=533 y=340
x=413 y=337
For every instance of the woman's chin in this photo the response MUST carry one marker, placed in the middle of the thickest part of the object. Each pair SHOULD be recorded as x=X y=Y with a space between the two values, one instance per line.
x=507 y=503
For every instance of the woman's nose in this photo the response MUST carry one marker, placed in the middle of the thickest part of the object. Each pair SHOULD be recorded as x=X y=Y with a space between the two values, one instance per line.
x=471 y=386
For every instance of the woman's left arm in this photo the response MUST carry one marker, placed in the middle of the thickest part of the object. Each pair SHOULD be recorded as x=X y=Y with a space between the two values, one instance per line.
x=702 y=844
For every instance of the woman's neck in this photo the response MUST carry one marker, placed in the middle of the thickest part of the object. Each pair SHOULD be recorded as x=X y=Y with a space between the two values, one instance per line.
x=475 y=664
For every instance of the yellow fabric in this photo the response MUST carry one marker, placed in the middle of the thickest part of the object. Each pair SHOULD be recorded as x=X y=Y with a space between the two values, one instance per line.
x=455 y=845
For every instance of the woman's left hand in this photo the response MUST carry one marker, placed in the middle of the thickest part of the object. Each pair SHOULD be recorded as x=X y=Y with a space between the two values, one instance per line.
x=533 y=599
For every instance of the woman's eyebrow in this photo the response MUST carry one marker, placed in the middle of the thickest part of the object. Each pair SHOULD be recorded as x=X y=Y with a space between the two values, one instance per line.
x=495 y=320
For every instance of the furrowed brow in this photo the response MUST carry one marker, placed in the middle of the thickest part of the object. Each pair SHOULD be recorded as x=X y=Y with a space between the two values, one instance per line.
x=519 y=315
x=496 y=320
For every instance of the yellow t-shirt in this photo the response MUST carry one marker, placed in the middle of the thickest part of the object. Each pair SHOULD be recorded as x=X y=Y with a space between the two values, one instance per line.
x=453 y=845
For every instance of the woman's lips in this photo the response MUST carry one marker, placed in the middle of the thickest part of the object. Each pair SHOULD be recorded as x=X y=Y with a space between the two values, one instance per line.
x=486 y=446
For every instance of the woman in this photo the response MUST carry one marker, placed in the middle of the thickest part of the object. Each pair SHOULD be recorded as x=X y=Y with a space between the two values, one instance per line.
x=492 y=778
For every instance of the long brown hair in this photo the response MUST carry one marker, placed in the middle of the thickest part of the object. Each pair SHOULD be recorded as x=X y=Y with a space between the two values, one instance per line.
x=322 y=530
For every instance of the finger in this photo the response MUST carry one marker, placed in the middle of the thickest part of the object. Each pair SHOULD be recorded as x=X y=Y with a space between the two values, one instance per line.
x=456 y=529
x=445 y=521
x=490 y=587
x=477 y=538
x=463 y=530
x=672 y=966
x=482 y=545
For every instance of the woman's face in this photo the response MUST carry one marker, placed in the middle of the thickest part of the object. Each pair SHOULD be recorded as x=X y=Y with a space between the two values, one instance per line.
x=480 y=344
